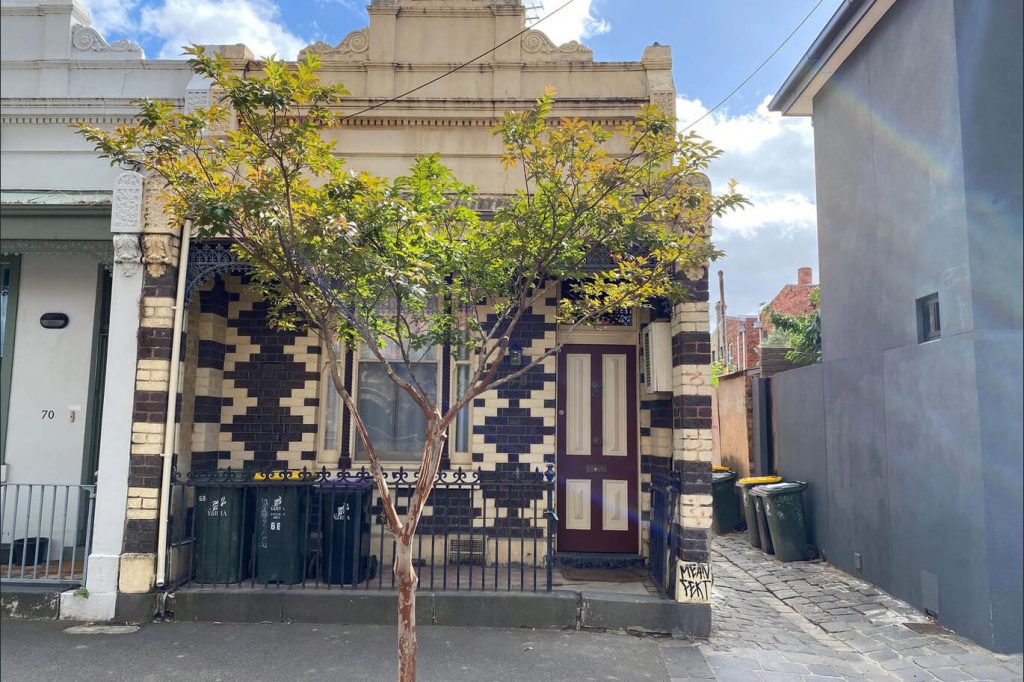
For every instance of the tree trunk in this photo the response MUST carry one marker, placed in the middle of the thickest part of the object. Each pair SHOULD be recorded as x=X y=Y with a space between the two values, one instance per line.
x=406 y=578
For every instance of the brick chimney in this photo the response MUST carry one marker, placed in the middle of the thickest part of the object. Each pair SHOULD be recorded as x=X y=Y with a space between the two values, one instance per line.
x=804 y=276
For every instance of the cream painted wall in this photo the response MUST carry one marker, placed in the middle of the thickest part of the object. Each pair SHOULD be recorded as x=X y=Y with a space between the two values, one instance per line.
x=51 y=368
x=51 y=372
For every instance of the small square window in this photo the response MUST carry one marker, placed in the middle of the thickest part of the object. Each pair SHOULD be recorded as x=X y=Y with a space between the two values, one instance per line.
x=929 y=326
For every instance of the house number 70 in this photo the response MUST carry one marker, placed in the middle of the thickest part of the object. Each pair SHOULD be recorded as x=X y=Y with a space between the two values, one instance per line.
x=47 y=414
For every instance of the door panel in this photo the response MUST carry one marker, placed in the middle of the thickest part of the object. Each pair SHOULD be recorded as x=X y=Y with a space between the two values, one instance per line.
x=598 y=493
x=616 y=507
x=613 y=399
x=577 y=501
x=577 y=404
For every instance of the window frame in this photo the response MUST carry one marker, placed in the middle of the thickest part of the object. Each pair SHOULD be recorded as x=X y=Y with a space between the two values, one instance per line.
x=463 y=456
x=929 y=318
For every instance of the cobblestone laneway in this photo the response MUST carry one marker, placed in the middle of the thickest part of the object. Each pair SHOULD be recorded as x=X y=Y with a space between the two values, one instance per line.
x=809 y=621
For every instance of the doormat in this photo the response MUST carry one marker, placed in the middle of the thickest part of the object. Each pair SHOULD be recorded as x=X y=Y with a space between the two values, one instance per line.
x=603 y=575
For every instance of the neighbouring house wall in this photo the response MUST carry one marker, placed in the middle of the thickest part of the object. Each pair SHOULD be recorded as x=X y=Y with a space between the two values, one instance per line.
x=51 y=369
x=773 y=361
x=917 y=450
x=798 y=432
x=50 y=384
x=989 y=64
x=734 y=422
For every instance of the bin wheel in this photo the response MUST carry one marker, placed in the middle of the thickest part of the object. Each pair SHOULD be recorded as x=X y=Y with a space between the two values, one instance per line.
x=810 y=553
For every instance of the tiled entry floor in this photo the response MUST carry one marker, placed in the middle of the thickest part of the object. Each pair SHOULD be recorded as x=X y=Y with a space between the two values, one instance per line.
x=775 y=621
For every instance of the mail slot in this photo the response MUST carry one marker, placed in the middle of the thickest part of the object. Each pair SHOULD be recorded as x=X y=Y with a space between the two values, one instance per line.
x=596 y=469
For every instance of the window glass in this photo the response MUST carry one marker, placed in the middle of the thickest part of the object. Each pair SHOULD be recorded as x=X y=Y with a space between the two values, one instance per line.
x=393 y=420
x=462 y=418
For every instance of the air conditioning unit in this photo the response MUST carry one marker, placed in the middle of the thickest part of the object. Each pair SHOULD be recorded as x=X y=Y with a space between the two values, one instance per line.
x=656 y=338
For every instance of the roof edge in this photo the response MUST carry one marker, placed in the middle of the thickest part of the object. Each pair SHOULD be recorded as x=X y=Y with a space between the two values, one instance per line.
x=824 y=47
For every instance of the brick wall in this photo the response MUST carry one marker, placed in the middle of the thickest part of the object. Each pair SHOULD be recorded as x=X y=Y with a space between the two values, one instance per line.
x=691 y=438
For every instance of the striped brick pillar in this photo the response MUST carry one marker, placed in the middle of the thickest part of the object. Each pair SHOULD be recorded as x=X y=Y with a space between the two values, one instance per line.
x=691 y=439
x=160 y=242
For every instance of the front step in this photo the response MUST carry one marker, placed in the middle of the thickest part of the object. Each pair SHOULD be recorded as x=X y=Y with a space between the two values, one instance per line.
x=598 y=560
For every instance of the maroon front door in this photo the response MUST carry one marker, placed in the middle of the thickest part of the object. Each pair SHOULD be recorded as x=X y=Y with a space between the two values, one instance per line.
x=596 y=450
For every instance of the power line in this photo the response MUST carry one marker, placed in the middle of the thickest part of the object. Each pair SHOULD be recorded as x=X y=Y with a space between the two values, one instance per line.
x=480 y=56
x=755 y=71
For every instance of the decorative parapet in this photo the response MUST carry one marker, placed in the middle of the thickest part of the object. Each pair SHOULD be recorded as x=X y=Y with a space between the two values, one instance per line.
x=353 y=47
x=87 y=39
x=538 y=47
x=657 y=61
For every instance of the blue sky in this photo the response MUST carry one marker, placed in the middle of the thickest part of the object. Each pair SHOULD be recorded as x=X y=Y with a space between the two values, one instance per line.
x=715 y=45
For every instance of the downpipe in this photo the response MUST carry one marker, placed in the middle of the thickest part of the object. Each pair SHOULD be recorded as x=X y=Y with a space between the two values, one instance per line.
x=170 y=427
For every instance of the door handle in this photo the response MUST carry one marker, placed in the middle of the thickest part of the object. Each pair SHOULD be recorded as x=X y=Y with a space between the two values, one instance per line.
x=597 y=440
x=597 y=469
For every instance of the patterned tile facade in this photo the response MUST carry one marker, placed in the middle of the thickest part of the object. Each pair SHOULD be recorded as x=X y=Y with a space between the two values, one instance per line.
x=257 y=402
x=691 y=438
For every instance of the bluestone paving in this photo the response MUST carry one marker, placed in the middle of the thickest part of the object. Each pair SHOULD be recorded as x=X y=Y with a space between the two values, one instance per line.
x=838 y=628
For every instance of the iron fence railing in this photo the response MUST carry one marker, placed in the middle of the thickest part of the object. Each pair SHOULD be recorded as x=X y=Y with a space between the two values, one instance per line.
x=665 y=488
x=46 y=532
x=480 y=531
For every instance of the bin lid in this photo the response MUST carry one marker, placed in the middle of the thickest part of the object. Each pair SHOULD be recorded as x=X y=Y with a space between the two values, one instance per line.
x=720 y=467
x=759 y=480
x=773 y=489
x=722 y=476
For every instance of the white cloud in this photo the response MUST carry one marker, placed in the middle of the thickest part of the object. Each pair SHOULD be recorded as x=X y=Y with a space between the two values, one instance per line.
x=257 y=23
x=577 y=21
x=785 y=212
x=771 y=157
x=110 y=16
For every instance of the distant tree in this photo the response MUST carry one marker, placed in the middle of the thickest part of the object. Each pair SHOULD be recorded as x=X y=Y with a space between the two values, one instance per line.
x=800 y=333
x=402 y=266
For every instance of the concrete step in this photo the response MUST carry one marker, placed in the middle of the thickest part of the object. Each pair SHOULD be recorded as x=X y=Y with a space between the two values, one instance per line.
x=598 y=560
x=559 y=609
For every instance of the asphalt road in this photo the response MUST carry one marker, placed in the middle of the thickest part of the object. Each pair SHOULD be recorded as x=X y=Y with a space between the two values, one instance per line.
x=42 y=650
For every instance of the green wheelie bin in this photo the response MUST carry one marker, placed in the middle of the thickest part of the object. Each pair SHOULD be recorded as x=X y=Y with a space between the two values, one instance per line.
x=747 y=504
x=784 y=511
x=221 y=528
x=281 y=533
x=345 y=523
x=725 y=503
x=763 y=532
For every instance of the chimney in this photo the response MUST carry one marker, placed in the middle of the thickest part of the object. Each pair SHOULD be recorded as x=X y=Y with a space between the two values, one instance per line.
x=804 y=276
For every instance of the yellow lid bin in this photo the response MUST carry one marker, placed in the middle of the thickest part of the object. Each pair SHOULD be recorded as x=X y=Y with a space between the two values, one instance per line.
x=759 y=480
x=749 y=508
x=719 y=467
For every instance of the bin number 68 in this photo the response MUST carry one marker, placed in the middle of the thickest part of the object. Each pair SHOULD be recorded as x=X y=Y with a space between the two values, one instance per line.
x=275 y=525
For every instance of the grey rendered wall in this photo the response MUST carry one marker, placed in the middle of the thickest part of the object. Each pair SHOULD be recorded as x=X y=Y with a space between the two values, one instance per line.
x=911 y=452
x=990 y=77
x=798 y=423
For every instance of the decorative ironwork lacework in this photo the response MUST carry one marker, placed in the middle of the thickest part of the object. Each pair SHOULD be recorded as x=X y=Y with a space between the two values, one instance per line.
x=613 y=318
x=207 y=260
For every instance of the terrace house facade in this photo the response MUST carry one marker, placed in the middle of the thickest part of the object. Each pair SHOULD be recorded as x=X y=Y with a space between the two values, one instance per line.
x=252 y=397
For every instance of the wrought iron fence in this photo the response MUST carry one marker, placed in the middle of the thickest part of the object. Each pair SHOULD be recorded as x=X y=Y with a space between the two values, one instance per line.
x=665 y=488
x=46 y=532
x=480 y=530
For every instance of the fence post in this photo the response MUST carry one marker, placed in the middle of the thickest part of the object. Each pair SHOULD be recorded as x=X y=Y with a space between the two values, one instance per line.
x=549 y=477
x=88 y=534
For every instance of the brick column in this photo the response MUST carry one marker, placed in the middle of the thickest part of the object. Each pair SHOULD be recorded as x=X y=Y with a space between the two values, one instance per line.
x=160 y=243
x=691 y=439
